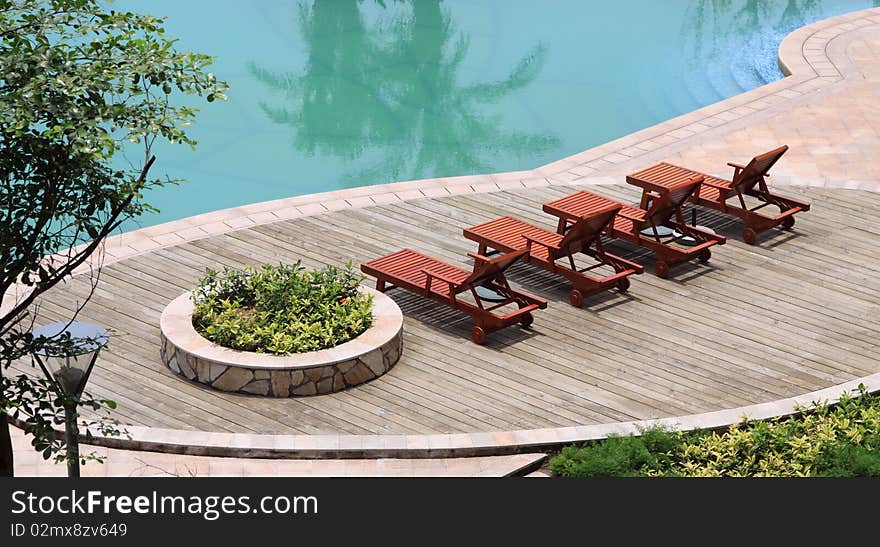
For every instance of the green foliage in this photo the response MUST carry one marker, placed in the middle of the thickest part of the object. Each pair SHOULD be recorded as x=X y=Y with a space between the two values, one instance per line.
x=281 y=309
x=822 y=440
x=38 y=406
x=79 y=83
x=849 y=460
x=619 y=456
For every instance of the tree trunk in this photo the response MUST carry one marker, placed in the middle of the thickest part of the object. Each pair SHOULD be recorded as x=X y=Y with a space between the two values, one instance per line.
x=6 y=468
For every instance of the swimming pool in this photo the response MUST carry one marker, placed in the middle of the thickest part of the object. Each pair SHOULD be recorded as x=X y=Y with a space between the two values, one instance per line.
x=328 y=94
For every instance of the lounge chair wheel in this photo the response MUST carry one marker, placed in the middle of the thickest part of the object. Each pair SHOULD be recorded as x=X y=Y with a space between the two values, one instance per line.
x=478 y=335
x=704 y=255
x=527 y=320
x=623 y=284
x=750 y=236
x=788 y=222
x=661 y=269
x=576 y=298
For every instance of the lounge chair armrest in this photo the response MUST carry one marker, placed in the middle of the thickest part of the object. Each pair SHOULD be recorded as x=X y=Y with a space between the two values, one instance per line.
x=716 y=185
x=541 y=243
x=527 y=298
x=441 y=277
x=737 y=169
x=634 y=218
x=479 y=258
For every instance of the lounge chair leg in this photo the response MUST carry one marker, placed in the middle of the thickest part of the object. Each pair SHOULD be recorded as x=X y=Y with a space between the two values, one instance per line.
x=661 y=269
x=380 y=285
x=478 y=336
x=576 y=298
x=750 y=236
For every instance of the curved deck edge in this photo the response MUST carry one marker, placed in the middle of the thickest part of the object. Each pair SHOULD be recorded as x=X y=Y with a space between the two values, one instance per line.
x=243 y=445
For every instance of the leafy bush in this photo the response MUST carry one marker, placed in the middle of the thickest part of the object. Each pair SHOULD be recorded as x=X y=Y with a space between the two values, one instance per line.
x=281 y=309
x=822 y=440
x=619 y=456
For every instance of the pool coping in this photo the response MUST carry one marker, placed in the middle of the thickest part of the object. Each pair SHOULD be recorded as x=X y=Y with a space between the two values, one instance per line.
x=814 y=63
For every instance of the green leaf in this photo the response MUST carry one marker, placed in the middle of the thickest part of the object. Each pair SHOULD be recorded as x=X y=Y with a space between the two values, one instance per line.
x=72 y=75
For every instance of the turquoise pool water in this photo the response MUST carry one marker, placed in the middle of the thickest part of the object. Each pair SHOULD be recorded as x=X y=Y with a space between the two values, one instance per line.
x=328 y=94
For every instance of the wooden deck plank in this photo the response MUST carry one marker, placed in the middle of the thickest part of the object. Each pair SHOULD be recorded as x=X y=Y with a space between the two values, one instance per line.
x=797 y=312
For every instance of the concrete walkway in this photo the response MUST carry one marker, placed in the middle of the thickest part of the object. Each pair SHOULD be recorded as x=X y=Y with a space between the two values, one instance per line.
x=130 y=463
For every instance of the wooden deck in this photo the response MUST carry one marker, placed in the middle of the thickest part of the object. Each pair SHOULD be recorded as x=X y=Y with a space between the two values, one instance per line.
x=797 y=313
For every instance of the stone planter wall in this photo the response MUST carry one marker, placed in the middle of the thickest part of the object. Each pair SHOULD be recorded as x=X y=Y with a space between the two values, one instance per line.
x=359 y=360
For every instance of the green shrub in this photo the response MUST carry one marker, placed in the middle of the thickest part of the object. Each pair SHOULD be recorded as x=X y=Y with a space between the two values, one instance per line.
x=281 y=309
x=619 y=456
x=822 y=440
x=849 y=460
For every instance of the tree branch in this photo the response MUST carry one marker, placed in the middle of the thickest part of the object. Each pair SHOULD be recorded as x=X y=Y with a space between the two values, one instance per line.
x=76 y=260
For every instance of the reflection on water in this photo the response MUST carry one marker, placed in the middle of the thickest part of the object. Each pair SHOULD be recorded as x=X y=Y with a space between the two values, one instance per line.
x=746 y=33
x=333 y=93
x=386 y=95
x=795 y=12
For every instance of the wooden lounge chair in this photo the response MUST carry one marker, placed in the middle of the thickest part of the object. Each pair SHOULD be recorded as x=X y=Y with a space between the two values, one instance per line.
x=544 y=248
x=748 y=180
x=662 y=208
x=441 y=282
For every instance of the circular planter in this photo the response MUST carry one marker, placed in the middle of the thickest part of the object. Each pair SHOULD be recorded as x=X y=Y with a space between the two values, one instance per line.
x=370 y=355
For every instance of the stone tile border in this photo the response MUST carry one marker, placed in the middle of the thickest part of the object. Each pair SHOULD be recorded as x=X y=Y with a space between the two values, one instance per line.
x=126 y=463
x=188 y=354
x=244 y=445
x=804 y=55
x=805 y=51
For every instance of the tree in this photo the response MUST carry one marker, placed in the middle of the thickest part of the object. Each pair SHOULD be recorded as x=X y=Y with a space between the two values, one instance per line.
x=79 y=83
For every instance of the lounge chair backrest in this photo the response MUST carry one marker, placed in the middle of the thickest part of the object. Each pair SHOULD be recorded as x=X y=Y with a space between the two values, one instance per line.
x=757 y=169
x=490 y=270
x=662 y=209
x=589 y=227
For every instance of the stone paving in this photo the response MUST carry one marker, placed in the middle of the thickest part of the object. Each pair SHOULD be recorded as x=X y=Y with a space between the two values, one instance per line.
x=129 y=463
x=833 y=133
x=827 y=112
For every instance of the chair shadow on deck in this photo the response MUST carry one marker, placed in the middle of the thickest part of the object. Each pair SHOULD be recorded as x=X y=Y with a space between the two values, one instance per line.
x=680 y=274
x=556 y=290
x=452 y=323
x=732 y=228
